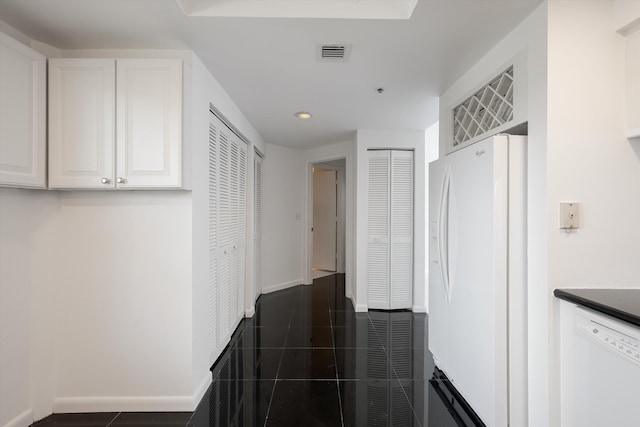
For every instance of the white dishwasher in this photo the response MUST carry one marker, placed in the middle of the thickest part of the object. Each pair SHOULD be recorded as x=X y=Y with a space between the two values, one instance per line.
x=600 y=369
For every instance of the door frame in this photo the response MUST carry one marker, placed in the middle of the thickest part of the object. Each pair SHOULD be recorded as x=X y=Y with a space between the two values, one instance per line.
x=347 y=218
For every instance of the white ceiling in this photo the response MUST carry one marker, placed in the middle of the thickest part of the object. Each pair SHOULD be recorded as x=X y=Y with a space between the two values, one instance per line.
x=341 y=9
x=269 y=67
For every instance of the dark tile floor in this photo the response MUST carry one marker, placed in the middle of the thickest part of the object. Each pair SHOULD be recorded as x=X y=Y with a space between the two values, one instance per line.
x=307 y=359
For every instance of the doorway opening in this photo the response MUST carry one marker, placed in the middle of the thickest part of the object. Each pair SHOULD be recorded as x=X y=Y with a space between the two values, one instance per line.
x=328 y=218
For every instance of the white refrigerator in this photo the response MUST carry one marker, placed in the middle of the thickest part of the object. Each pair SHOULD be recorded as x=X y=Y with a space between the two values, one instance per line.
x=477 y=276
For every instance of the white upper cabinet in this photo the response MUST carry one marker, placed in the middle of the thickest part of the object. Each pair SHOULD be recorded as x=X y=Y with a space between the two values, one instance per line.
x=81 y=123
x=149 y=118
x=22 y=115
x=115 y=123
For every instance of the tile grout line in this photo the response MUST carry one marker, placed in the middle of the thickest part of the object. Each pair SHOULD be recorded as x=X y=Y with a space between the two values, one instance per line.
x=275 y=381
x=114 y=418
x=335 y=361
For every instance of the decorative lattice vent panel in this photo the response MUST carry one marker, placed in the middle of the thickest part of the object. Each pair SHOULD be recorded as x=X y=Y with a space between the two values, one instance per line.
x=488 y=108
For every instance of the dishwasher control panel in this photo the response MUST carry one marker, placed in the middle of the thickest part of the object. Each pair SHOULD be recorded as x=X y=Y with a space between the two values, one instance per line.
x=615 y=340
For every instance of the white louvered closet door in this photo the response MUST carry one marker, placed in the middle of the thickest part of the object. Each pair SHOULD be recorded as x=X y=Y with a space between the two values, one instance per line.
x=401 y=278
x=390 y=229
x=378 y=229
x=257 y=206
x=214 y=134
x=241 y=228
x=225 y=236
x=227 y=232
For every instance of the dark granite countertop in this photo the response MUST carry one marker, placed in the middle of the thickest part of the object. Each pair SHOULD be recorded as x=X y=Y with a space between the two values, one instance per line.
x=623 y=304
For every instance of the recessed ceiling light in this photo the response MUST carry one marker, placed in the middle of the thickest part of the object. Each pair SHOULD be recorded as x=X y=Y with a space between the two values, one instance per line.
x=303 y=115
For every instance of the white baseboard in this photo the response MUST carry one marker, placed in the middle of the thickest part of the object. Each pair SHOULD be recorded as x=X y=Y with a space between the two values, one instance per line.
x=281 y=286
x=25 y=419
x=63 y=405
x=361 y=307
x=419 y=309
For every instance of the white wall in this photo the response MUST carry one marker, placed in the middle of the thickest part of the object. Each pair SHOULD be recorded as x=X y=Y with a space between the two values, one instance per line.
x=282 y=219
x=589 y=159
x=529 y=39
x=124 y=301
x=373 y=139
x=23 y=214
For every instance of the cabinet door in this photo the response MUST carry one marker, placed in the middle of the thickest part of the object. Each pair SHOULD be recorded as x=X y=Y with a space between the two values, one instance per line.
x=81 y=123
x=22 y=115
x=149 y=123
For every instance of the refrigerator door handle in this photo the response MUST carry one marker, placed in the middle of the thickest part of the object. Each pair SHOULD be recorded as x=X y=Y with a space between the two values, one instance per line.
x=443 y=241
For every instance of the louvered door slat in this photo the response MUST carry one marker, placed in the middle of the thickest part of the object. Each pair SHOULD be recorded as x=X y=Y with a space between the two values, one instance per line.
x=378 y=205
x=212 y=308
x=401 y=413
x=401 y=344
x=224 y=298
x=378 y=229
x=212 y=290
x=242 y=190
x=378 y=408
x=257 y=206
x=234 y=190
x=401 y=257
x=224 y=194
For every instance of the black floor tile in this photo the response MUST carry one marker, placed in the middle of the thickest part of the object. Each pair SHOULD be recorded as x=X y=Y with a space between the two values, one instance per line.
x=263 y=337
x=67 y=420
x=376 y=403
x=363 y=364
x=316 y=336
x=244 y=405
x=261 y=364
x=308 y=363
x=164 y=419
x=310 y=318
x=305 y=403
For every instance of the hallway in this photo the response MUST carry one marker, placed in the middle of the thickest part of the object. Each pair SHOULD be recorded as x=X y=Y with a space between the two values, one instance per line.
x=307 y=359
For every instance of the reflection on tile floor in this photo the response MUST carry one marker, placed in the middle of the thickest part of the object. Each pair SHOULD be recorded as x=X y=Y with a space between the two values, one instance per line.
x=308 y=359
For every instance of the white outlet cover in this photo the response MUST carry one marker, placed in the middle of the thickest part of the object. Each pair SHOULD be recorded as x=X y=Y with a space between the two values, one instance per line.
x=569 y=215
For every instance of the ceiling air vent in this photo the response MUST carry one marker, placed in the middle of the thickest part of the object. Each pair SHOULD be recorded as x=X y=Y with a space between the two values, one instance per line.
x=334 y=52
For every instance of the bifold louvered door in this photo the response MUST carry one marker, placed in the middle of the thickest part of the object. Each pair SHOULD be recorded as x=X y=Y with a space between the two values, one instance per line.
x=227 y=232
x=257 y=206
x=390 y=229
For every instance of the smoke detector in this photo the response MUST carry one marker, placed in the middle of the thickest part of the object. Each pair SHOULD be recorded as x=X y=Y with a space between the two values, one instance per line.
x=333 y=52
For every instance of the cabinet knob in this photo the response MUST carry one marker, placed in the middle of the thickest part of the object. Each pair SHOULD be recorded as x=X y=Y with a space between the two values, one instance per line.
x=121 y=180
x=105 y=180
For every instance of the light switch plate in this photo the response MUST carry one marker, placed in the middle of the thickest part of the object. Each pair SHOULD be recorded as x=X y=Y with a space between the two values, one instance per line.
x=569 y=215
